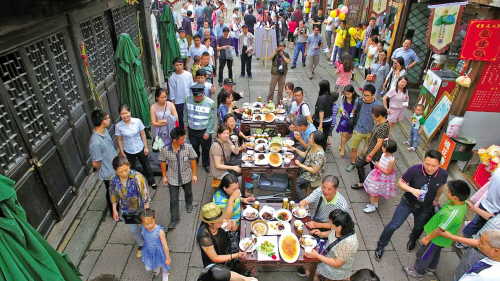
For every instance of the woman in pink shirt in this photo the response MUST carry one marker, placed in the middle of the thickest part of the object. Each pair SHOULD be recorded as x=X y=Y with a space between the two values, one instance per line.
x=398 y=101
x=344 y=71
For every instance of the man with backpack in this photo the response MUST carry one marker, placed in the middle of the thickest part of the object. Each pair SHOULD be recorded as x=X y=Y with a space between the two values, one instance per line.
x=207 y=13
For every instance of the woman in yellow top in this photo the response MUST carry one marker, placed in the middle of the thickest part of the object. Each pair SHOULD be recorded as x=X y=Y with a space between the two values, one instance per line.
x=307 y=9
x=339 y=42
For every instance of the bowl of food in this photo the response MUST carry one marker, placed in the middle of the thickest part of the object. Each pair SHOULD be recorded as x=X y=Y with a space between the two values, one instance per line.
x=300 y=212
x=267 y=213
x=288 y=142
x=308 y=241
x=269 y=117
x=289 y=155
x=247 y=158
x=265 y=110
x=283 y=215
x=258 y=117
x=280 y=111
x=275 y=159
x=248 y=244
x=250 y=213
x=259 y=228
x=261 y=147
x=275 y=147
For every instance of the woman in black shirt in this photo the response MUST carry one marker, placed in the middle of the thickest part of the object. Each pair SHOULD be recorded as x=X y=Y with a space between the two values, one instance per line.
x=322 y=118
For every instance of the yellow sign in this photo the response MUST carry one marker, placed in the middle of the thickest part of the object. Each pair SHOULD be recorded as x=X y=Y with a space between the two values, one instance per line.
x=443 y=27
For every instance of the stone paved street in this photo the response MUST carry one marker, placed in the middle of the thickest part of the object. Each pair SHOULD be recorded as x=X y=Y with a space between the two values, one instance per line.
x=112 y=251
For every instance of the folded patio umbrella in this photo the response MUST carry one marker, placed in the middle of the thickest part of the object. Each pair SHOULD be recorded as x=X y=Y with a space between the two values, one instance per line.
x=168 y=42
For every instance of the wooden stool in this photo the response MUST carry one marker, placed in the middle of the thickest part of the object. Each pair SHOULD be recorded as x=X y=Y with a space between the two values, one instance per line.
x=313 y=185
x=215 y=185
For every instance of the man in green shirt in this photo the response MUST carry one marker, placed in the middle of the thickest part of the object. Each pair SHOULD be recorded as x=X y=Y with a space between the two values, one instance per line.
x=449 y=218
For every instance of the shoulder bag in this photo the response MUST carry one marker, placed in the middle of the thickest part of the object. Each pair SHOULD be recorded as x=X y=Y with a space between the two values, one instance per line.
x=134 y=218
x=355 y=117
x=158 y=142
x=234 y=160
x=327 y=249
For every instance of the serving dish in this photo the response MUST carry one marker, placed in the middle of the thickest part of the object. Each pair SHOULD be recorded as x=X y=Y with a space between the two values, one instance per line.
x=259 y=227
x=289 y=247
x=275 y=159
x=283 y=215
x=267 y=213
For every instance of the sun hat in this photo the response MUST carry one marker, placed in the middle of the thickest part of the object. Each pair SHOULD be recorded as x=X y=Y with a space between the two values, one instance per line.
x=211 y=213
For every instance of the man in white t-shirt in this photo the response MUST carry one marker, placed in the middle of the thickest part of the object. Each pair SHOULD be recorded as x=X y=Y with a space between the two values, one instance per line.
x=299 y=107
x=487 y=269
x=328 y=34
x=184 y=10
x=179 y=86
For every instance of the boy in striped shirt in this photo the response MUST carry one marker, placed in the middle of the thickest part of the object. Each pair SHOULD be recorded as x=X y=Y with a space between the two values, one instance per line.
x=449 y=218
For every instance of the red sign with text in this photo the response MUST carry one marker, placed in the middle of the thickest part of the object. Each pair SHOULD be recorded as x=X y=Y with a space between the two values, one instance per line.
x=482 y=41
x=446 y=148
x=486 y=97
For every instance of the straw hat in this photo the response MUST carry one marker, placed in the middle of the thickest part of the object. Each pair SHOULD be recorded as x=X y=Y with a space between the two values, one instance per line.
x=211 y=213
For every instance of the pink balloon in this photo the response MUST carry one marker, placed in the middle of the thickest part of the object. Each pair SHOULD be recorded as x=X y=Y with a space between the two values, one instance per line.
x=344 y=9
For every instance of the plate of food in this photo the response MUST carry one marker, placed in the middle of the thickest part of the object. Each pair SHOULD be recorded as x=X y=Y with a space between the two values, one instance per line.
x=250 y=213
x=289 y=155
x=261 y=147
x=257 y=105
x=259 y=227
x=288 y=142
x=278 y=227
x=308 y=241
x=256 y=110
x=280 y=111
x=275 y=159
x=261 y=140
x=248 y=244
x=283 y=215
x=300 y=212
x=250 y=145
x=267 y=248
x=265 y=110
x=275 y=147
x=289 y=247
x=269 y=117
x=267 y=213
x=261 y=159
x=258 y=117
x=248 y=158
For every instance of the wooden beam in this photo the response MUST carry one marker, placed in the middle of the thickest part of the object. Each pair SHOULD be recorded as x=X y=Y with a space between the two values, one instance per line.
x=464 y=96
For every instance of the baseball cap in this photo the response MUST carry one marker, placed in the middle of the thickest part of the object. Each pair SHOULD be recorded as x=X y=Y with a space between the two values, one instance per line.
x=282 y=44
x=228 y=81
x=201 y=72
x=244 y=26
x=197 y=89
x=181 y=30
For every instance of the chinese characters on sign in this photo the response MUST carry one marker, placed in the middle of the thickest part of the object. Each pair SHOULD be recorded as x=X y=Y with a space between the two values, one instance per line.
x=442 y=27
x=482 y=41
x=486 y=97
x=446 y=148
x=379 y=7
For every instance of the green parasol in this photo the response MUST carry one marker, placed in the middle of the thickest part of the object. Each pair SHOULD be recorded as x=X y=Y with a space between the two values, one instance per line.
x=130 y=79
x=24 y=254
x=168 y=42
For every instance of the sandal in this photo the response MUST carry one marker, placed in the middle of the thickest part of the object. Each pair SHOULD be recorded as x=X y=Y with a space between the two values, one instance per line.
x=342 y=153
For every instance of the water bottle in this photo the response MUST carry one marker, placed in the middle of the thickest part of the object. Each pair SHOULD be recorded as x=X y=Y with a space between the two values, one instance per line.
x=424 y=190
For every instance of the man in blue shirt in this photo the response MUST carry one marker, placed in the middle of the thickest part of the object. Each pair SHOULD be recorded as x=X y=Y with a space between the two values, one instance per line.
x=313 y=47
x=198 y=13
x=219 y=28
x=303 y=130
x=411 y=58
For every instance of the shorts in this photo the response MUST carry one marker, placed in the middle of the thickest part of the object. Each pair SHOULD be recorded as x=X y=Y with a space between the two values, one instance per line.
x=290 y=37
x=397 y=114
x=358 y=137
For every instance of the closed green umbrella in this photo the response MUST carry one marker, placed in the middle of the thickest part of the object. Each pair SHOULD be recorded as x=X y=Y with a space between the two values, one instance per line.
x=130 y=79
x=24 y=254
x=168 y=42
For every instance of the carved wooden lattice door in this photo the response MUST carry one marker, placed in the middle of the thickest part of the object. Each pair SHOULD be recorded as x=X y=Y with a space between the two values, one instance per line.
x=39 y=106
x=418 y=20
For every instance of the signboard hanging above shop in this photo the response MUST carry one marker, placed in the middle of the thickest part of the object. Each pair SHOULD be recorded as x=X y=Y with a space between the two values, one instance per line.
x=379 y=7
x=482 y=41
x=443 y=25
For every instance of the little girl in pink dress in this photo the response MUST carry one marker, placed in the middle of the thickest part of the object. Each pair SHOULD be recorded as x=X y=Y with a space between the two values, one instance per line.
x=381 y=181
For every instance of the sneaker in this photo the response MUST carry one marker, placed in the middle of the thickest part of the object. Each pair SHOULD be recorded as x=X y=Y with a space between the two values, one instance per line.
x=304 y=65
x=301 y=272
x=350 y=167
x=369 y=209
x=406 y=143
x=379 y=252
x=368 y=205
x=242 y=75
x=461 y=245
x=411 y=149
x=250 y=76
x=293 y=66
x=331 y=64
x=412 y=273
x=326 y=50
x=411 y=245
x=189 y=208
x=431 y=271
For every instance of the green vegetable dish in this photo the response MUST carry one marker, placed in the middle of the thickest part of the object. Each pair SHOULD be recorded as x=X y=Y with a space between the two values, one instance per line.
x=266 y=248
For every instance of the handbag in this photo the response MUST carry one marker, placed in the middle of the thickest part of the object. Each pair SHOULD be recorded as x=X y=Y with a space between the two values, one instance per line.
x=158 y=142
x=134 y=218
x=371 y=77
x=234 y=160
x=355 y=117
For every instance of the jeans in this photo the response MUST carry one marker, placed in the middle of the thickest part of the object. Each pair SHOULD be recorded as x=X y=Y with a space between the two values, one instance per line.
x=243 y=9
x=196 y=139
x=174 y=198
x=471 y=256
x=135 y=229
x=362 y=58
x=352 y=52
x=328 y=36
x=222 y=64
x=326 y=129
x=199 y=23
x=180 y=113
x=299 y=47
x=360 y=166
x=337 y=51
x=312 y=62
x=413 y=138
x=280 y=80
x=236 y=45
x=474 y=225
x=246 y=62
x=146 y=167
x=404 y=209
x=427 y=257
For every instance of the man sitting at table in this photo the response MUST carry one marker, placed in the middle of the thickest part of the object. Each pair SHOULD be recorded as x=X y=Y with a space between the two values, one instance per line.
x=302 y=130
x=327 y=199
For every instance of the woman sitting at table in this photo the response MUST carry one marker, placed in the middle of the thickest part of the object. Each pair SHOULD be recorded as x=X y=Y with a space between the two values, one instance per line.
x=337 y=258
x=230 y=121
x=228 y=105
x=214 y=241
x=313 y=167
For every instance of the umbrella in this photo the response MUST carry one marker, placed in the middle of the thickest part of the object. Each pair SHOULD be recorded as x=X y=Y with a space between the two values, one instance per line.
x=168 y=42
x=24 y=254
x=130 y=79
